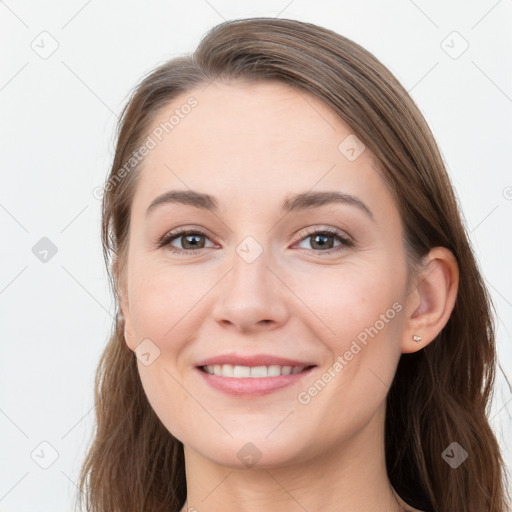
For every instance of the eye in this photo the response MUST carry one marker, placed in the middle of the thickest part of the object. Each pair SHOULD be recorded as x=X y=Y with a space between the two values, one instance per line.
x=321 y=240
x=190 y=240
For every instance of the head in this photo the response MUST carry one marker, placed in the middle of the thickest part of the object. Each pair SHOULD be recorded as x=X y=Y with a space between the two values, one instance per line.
x=267 y=119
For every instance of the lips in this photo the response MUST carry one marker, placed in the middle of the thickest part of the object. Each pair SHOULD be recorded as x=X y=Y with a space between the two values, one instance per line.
x=253 y=360
x=252 y=375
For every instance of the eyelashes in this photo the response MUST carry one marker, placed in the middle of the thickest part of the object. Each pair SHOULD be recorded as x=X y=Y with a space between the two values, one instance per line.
x=320 y=236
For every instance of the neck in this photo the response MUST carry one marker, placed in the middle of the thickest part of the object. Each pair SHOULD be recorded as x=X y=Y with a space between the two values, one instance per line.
x=350 y=477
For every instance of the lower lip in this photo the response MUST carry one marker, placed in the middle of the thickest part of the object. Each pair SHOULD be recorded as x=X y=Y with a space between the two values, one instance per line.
x=253 y=386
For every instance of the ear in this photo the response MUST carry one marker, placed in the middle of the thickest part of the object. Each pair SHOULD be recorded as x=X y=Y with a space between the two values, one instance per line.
x=431 y=301
x=124 y=304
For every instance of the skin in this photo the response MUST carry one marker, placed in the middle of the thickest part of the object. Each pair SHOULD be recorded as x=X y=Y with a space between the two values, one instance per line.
x=251 y=146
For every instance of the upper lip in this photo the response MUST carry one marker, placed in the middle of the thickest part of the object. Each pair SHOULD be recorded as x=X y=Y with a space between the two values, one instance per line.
x=252 y=360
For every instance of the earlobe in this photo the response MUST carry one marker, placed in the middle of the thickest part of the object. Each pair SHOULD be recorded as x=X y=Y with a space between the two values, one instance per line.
x=126 y=322
x=431 y=302
x=123 y=315
x=128 y=332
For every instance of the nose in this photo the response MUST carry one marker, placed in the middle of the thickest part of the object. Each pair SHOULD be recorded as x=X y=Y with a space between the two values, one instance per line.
x=251 y=297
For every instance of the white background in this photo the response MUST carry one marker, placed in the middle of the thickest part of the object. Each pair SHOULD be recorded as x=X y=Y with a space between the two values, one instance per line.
x=58 y=116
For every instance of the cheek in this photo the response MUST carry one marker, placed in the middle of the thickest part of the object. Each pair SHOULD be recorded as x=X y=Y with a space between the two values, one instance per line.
x=159 y=298
x=361 y=310
x=161 y=308
x=361 y=313
x=357 y=303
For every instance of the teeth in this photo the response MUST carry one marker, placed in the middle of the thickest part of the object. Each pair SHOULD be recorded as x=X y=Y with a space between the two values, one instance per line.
x=228 y=370
x=258 y=371
x=241 y=371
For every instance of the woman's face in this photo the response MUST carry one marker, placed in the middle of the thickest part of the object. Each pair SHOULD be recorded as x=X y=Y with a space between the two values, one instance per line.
x=258 y=283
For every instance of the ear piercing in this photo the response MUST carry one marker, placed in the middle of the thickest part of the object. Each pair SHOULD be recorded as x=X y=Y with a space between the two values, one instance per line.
x=416 y=338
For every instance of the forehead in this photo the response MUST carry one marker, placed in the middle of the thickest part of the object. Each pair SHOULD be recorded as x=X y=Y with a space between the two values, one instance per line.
x=260 y=139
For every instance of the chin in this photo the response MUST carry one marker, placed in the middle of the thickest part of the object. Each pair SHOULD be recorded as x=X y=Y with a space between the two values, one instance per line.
x=248 y=450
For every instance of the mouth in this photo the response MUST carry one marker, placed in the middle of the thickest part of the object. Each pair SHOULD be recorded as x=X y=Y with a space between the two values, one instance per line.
x=252 y=372
x=260 y=375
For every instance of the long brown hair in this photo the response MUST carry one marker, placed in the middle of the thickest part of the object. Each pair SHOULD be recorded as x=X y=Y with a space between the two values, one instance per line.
x=439 y=395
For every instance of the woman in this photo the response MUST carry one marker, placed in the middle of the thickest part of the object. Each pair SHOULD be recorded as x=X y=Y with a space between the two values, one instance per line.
x=302 y=322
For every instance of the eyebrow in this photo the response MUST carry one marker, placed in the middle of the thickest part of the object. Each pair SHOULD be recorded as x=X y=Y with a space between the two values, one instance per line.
x=294 y=203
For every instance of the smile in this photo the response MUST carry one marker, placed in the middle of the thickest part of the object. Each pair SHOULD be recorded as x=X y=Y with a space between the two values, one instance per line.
x=252 y=381
x=240 y=372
